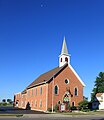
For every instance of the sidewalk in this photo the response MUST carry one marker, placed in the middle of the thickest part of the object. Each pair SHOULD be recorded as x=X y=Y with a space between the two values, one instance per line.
x=57 y=115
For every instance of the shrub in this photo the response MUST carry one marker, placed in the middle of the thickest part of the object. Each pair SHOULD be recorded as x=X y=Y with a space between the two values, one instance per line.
x=68 y=107
x=49 y=109
x=1 y=104
x=4 y=104
x=83 y=104
x=85 y=110
x=56 y=108
x=73 y=108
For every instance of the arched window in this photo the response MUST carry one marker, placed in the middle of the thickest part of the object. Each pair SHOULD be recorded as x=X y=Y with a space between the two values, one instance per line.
x=72 y=104
x=56 y=90
x=36 y=91
x=40 y=103
x=76 y=92
x=66 y=59
x=59 y=102
x=41 y=91
x=61 y=60
x=35 y=103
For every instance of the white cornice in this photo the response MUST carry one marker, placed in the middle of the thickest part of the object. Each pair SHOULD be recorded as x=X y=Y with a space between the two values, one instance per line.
x=76 y=75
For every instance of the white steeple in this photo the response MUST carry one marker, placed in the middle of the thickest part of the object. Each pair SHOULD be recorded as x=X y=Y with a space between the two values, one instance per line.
x=64 y=57
x=64 y=47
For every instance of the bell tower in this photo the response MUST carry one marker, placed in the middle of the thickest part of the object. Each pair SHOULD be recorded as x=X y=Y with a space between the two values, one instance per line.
x=64 y=57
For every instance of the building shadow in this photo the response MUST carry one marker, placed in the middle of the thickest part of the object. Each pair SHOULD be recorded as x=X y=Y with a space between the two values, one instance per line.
x=28 y=106
x=98 y=119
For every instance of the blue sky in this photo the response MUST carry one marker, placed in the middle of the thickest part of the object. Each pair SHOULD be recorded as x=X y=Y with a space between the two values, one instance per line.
x=31 y=36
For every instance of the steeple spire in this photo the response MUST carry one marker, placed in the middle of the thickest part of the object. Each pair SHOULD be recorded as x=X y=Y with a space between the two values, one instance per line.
x=64 y=47
x=64 y=57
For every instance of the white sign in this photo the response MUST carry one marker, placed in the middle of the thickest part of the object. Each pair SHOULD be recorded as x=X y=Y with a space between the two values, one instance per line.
x=62 y=107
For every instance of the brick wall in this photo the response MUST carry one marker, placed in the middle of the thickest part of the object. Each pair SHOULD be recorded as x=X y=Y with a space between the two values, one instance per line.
x=60 y=82
x=42 y=100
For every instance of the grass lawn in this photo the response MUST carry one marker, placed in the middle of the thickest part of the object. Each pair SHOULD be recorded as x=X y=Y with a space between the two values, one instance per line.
x=8 y=105
x=84 y=113
x=11 y=115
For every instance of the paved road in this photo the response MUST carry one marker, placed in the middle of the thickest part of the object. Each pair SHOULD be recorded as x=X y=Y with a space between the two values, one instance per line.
x=12 y=110
x=61 y=117
x=35 y=115
x=53 y=117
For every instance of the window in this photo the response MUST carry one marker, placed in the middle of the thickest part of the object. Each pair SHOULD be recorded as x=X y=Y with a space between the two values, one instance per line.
x=101 y=97
x=61 y=60
x=36 y=91
x=72 y=104
x=41 y=91
x=76 y=92
x=28 y=93
x=66 y=59
x=32 y=92
x=40 y=103
x=35 y=103
x=25 y=103
x=56 y=90
x=66 y=81
x=59 y=102
x=31 y=103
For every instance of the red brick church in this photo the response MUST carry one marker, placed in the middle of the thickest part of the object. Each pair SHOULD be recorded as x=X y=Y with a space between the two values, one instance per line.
x=60 y=85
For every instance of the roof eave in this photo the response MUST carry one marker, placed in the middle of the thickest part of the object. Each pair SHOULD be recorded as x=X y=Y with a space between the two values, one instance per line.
x=76 y=75
x=36 y=85
x=57 y=73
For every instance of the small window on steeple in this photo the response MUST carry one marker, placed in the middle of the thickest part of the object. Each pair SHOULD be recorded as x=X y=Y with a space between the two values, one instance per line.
x=66 y=59
x=61 y=60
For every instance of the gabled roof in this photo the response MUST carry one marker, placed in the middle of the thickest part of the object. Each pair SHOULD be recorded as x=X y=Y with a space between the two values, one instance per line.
x=99 y=94
x=24 y=91
x=46 y=77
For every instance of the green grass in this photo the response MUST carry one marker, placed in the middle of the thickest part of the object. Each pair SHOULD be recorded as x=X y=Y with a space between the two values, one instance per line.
x=99 y=112
x=11 y=115
x=83 y=113
x=8 y=105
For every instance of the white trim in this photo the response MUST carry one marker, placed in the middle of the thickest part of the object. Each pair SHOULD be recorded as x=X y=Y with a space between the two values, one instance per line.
x=17 y=93
x=76 y=75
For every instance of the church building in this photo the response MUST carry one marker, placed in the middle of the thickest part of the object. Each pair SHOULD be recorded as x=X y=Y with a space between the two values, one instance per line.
x=61 y=86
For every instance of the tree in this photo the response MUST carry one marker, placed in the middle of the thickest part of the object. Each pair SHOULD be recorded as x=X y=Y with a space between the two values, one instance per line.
x=83 y=104
x=99 y=85
x=4 y=100
x=85 y=98
x=9 y=101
